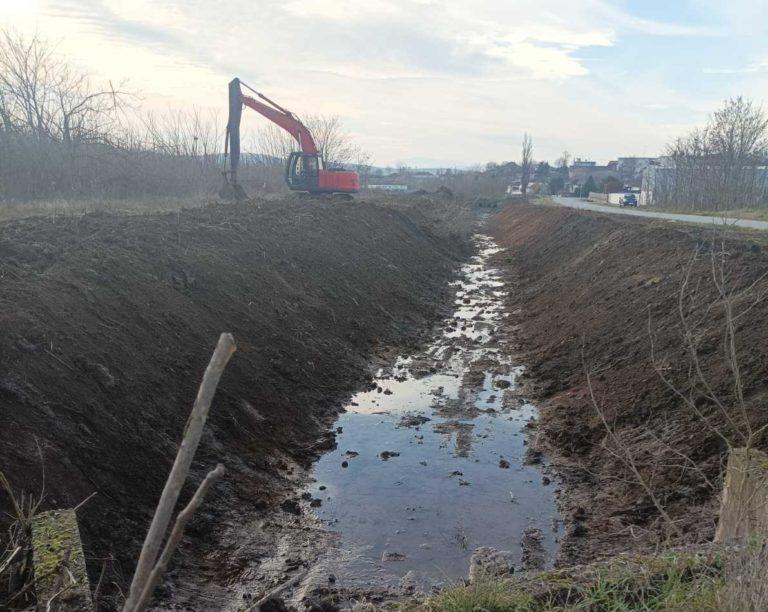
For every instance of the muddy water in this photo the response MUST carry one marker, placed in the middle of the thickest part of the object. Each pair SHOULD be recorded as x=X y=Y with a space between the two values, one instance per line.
x=431 y=462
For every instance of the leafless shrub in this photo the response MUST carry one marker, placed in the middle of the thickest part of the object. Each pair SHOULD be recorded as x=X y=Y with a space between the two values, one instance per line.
x=730 y=420
x=640 y=470
x=711 y=304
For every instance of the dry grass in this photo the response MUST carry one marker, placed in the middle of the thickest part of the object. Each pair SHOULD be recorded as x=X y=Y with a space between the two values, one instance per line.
x=16 y=569
x=55 y=209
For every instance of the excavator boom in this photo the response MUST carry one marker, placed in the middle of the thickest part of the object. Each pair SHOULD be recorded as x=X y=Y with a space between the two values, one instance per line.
x=286 y=121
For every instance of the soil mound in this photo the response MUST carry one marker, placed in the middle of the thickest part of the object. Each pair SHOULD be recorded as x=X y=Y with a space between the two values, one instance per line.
x=109 y=320
x=588 y=289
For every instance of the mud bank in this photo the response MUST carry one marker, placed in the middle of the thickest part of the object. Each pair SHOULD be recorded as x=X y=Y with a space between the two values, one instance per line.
x=587 y=287
x=108 y=322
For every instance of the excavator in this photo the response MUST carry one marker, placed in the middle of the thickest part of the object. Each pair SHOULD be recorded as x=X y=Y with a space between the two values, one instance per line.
x=305 y=170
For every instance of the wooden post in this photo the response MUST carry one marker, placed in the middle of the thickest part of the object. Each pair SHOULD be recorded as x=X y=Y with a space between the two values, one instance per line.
x=61 y=582
x=744 y=505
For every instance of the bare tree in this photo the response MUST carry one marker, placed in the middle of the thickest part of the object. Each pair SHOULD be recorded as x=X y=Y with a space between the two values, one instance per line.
x=526 y=163
x=721 y=166
x=43 y=96
x=564 y=160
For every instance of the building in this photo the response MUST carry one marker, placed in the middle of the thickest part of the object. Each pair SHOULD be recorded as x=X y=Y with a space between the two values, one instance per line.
x=630 y=170
x=582 y=169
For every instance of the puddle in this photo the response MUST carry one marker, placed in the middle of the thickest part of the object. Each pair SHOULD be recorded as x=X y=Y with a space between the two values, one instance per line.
x=430 y=463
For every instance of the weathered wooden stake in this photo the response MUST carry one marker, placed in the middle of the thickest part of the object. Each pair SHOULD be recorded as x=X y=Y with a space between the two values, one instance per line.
x=744 y=505
x=61 y=582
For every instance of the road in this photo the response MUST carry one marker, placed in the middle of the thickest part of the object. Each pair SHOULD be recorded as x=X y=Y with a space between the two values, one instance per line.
x=633 y=212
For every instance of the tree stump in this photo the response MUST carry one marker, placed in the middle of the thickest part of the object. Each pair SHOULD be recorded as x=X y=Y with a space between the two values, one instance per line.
x=744 y=505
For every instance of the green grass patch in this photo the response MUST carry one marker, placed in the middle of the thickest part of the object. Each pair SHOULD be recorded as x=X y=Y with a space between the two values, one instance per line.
x=663 y=583
x=487 y=595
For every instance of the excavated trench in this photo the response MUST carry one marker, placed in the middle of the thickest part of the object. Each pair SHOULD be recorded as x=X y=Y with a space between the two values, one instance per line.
x=432 y=461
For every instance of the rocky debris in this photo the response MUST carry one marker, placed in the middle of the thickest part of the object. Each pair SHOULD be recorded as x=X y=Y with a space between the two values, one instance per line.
x=345 y=464
x=487 y=562
x=408 y=583
x=502 y=384
x=413 y=420
x=385 y=455
x=274 y=605
x=291 y=506
x=533 y=456
x=316 y=503
x=504 y=464
x=462 y=432
x=25 y=345
x=577 y=528
x=392 y=556
x=483 y=202
x=546 y=480
x=456 y=473
x=533 y=549
x=350 y=454
x=387 y=391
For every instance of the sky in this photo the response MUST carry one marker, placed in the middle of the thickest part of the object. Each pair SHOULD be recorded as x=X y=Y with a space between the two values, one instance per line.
x=432 y=82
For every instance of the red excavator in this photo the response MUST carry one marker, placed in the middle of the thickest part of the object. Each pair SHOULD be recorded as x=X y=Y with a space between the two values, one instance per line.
x=305 y=170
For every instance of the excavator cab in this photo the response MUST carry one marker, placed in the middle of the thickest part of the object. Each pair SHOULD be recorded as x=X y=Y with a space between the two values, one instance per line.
x=302 y=172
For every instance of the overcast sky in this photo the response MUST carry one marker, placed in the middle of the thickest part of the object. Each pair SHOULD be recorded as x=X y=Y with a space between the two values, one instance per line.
x=433 y=82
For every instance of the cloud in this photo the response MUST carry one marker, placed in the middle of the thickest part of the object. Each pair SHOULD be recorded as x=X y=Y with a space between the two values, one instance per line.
x=751 y=68
x=411 y=78
x=342 y=11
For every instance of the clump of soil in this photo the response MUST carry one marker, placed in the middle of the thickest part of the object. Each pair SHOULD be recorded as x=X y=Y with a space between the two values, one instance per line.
x=588 y=288
x=109 y=320
x=413 y=420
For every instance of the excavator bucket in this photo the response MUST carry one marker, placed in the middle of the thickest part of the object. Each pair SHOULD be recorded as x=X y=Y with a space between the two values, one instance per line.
x=230 y=190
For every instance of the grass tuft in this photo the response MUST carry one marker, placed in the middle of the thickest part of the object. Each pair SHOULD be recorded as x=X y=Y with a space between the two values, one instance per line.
x=488 y=595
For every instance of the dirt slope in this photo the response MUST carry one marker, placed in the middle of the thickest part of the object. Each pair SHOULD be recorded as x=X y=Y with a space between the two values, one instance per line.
x=587 y=285
x=108 y=321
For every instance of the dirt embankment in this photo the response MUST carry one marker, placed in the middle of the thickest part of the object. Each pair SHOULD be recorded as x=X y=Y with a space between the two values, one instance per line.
x=108 y=322
x=587 y=287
